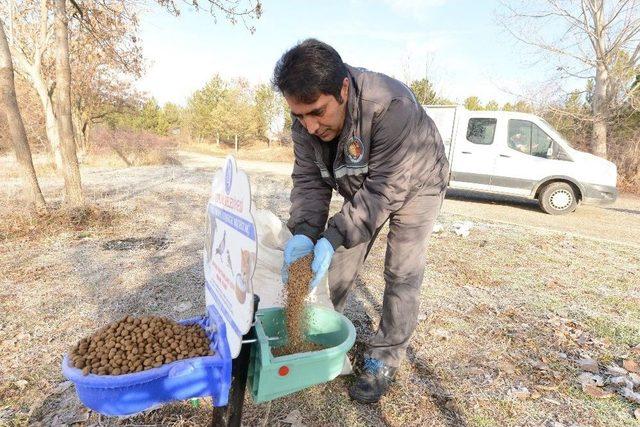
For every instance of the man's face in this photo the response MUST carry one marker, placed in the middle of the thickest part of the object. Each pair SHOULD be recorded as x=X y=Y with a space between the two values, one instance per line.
x=323 y=118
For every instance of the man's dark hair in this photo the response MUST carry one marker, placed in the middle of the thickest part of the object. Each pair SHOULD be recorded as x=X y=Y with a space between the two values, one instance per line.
x=309 y=69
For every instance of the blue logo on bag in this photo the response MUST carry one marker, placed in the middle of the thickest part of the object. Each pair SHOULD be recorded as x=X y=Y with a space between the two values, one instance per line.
x=228 y=177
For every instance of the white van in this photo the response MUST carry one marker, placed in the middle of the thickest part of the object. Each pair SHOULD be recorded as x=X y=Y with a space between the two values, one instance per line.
x=520 y=154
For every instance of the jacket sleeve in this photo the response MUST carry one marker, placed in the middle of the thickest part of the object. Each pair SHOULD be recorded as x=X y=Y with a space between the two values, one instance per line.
x=393 y=146
x=311 y=195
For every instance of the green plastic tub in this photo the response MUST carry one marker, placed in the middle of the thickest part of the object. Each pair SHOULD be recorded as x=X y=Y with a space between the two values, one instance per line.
x=271 y=377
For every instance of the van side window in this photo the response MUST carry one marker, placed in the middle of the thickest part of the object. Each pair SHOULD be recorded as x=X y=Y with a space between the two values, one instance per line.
x=481 y=131
x=528 y=138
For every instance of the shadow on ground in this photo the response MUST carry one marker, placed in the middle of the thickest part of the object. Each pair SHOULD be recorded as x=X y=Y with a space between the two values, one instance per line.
x=493 y=199
x=449 y=414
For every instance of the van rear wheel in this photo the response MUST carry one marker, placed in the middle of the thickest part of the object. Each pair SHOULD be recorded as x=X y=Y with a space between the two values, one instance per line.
x=558 y=198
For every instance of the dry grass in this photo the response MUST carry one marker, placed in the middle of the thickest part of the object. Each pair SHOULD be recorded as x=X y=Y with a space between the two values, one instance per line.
x=42 y=163
x=121 y=148
x=155 y=157
x=19 y=223
x=506 y=307
x=626 y=155
x=257 y=150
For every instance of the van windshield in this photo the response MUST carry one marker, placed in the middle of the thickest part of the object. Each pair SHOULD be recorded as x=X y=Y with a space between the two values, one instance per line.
x=564 y=139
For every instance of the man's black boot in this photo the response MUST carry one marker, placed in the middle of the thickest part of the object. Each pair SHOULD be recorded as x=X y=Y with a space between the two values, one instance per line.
x=373 y=382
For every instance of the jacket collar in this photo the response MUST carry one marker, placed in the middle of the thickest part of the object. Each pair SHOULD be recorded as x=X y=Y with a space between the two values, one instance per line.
x=353 y=108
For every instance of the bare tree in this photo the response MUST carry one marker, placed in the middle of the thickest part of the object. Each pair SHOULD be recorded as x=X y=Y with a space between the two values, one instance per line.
x=591 y=39
x=16 y=126
x=71 y=171
x=233 y=10
x=30 y=37
x=105 y=58
x=104 y=53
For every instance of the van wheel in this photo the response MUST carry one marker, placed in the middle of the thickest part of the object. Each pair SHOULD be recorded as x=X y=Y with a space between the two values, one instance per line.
x=558 y=198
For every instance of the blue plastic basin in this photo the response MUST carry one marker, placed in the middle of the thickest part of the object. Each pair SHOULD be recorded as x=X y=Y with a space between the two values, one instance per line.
x=183 y=379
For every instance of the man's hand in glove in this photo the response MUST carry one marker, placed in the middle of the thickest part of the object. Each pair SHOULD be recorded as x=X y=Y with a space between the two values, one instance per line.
x=322 y=254
x=297 y=246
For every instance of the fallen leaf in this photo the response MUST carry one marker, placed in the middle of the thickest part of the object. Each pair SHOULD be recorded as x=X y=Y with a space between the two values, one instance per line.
x=588 y=365
x=440 y=333
x=535 y=395
x=183 y=306
x=62 y=387
x=520 y=393
x=23 y=336
x=616 y=370
x=631 y=396
x=80 y=417
x=474 y=370
x=540 y=365
x=294 y=418
x=621 y=381
x=21 y=384
x=583 y=339
x=507 y=367
x=546 y=387
x=552 y=284
x=631 y=366
x=437 y=228
x=636 y=413
x=635 y=379
x=587 y=378
x=636 y=349
x=596 y=392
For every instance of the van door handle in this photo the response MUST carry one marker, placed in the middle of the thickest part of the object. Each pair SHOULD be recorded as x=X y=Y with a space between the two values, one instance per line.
x=505 y=155
x=466 y=152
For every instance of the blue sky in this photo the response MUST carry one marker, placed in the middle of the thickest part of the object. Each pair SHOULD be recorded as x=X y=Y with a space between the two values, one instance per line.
x=457 y=43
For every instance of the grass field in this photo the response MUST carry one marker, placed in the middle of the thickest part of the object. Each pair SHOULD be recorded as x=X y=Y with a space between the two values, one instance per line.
x=504 y=308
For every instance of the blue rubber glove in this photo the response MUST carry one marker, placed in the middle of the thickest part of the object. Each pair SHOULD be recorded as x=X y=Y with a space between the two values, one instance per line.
x=322 y=254
x=297 y=246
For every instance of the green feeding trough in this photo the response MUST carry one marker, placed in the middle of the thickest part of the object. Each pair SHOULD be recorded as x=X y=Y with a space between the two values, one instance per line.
x=271 y=377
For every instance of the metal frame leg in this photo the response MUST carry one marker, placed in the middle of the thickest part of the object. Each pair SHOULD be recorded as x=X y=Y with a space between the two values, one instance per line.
x=231 y=415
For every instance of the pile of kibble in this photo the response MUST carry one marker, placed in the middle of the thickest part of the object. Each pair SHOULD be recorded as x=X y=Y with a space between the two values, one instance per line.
x=296 y=319
x=134 y=344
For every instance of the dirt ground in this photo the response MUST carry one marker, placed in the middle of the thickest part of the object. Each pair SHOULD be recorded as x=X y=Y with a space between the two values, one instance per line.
x=512 y=305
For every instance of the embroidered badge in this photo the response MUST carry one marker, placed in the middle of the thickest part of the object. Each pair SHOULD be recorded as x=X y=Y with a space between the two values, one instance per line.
x=355 y=149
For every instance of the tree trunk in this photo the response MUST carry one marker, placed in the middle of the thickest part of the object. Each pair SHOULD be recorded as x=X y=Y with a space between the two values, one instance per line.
x=72 y=183
x=77 y=136
x=236 y=144
x=600 y=95
x=51 y=122
x=80 y=131
x=600 y=112
x=16 y=126
x=33 y=70
x=86 y=134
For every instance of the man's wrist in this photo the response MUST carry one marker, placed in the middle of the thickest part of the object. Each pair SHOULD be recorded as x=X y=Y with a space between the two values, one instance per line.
x=306 y=230
x=334 y=236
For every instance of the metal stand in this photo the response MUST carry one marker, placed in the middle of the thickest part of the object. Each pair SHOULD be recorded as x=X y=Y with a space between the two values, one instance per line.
x=231 y=415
